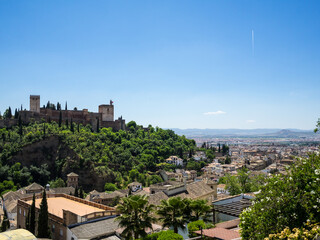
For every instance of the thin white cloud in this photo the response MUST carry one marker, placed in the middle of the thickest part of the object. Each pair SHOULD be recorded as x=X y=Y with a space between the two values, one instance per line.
x=251 y=121
x=215 y=113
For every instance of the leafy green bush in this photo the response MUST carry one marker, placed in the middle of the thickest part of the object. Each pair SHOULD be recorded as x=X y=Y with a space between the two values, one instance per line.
x=285 y=201
x=169 y=235
x=195 y=226
x=110 y=187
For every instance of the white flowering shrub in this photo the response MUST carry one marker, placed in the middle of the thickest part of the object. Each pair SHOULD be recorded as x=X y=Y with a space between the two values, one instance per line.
x=285 y=201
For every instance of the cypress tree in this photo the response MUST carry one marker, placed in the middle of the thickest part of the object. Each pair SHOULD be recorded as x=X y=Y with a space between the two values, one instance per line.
x=32 y=220
x=60 y=119
x=9 y=113
x=43 y=227
x=80 y=192
x=16 y=114
x=76 y=192
x=66 y=108
x=5 y=222
x=72 y=127
x=98 y=127
x=48 y=104
x=28 y=220
x=21 y=108
x=20 y=125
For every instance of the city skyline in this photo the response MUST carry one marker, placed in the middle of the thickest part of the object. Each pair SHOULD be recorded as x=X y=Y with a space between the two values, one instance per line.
x=180 y=64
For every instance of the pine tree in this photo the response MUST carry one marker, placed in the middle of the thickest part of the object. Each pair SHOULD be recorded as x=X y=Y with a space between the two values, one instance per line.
x=32 y=211
x=43 y=227
x=71 y=126
x=60 y=119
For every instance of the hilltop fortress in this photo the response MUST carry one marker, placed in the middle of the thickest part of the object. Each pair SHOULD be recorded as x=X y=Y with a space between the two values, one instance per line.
x=103 y=118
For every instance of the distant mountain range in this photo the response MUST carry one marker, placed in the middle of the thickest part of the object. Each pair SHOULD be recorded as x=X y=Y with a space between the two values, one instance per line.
x=275 y=132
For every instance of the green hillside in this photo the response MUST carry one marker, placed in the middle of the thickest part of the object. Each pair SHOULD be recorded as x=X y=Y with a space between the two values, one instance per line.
x=42 y=152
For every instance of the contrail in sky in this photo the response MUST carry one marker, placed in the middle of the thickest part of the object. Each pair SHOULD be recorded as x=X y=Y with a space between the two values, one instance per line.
x=252 y=41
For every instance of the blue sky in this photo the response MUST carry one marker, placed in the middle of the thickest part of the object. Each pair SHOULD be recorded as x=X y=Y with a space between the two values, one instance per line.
x=173 y=64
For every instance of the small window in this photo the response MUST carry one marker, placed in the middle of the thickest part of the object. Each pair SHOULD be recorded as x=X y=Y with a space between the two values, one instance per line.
x=53 y=228
x=19 y=210
x=61 y=232
x=24 y=212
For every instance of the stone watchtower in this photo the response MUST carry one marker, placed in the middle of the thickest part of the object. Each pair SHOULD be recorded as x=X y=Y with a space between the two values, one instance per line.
x=35 y=103
x=72 y=180
x=107 y=111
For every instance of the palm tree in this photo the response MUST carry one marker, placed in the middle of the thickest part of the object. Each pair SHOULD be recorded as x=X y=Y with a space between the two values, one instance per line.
x=200 y=209
x=135 y=216
x=171 y=213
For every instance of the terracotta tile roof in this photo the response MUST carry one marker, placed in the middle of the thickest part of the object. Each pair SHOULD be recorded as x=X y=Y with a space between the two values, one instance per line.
x=34 y=186
x=220 y=233
x=196 y=190
x=56 y=205
x=156 y=198
x=229 y=224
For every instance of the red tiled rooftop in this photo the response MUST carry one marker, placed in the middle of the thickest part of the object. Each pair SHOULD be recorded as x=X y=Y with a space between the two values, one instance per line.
x=220 y=233
x=229 y=224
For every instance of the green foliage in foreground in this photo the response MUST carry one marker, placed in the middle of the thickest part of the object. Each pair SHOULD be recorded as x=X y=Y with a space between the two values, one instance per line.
x=113 y=154
x=309 y=231
x=285 y=201
x=135 y=216
x=43 y=226
x=195 y=226
x=163 y=235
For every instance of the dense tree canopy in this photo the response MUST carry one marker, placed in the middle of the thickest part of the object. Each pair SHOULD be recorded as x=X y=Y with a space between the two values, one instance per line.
x=113 y=153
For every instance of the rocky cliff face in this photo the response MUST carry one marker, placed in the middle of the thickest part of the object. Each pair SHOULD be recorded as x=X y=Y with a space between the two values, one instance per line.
x=61 y=160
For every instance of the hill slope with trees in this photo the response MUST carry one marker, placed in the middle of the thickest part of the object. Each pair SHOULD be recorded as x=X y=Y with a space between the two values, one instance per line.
x=40 y=152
